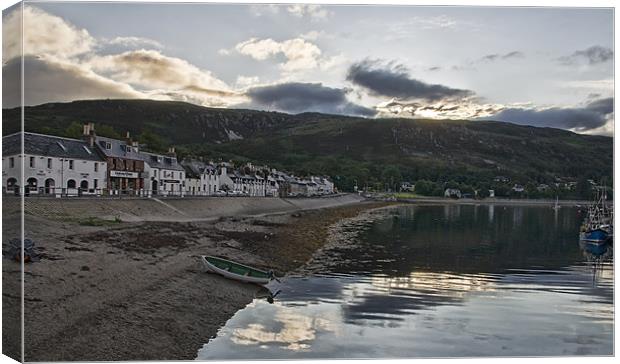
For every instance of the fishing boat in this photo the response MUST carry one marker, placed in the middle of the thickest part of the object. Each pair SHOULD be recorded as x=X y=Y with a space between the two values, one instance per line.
x=597 y=227
x=235 y=270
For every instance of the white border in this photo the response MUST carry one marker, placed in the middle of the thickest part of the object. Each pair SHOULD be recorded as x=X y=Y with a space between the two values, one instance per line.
x=490 y=3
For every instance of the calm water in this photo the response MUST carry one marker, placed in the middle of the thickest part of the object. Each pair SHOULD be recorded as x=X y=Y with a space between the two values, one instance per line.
x=440 y=281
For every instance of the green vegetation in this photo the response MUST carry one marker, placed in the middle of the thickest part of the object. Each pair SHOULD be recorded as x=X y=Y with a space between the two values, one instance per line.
x=373 y=154
x=405 y=195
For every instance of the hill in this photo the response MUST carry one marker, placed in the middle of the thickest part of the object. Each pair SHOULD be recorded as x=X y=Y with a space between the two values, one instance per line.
x=352 y=150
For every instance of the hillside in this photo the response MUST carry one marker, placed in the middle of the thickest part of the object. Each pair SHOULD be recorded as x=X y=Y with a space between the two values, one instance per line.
x=351 y=150
x=177 y=122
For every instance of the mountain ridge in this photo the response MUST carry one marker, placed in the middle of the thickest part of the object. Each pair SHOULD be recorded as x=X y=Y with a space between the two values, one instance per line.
x=353 y=150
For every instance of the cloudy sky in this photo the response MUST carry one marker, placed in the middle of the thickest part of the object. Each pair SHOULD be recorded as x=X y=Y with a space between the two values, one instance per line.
x=549 y=67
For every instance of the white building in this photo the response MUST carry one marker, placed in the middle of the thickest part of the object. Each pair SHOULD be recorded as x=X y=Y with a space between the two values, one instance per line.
x=164 y=175
x=324 y=185
x=52 y=165
x=210 y=179
x=452 y=192
x=202 y=179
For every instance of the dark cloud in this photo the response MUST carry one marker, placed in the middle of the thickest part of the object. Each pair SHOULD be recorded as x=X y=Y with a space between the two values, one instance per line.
x=393 y=80
x=513 y=54
x=602 y=106
x=295 y=97
x=593 y=55
x=490 y=57
x=496 y=56
x=592 y=116
x=49 y=81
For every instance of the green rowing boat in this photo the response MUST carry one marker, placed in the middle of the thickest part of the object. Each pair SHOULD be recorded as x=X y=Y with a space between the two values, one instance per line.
x=235 y=270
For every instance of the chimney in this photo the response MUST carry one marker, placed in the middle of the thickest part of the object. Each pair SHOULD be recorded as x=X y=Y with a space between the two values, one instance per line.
x=171 y=152
x=89 y=133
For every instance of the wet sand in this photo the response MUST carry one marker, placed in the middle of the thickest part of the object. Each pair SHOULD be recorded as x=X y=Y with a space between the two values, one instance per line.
x=107 y=290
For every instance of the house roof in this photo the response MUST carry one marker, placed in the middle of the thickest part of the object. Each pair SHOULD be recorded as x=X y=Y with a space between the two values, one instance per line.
x=50 y=146
x=160 y=161
x=118 y=148
x=195 y=168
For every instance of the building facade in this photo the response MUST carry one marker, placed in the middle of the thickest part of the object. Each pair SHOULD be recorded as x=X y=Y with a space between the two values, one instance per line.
x=125 y=166
x=52 y=165
x=163 y=174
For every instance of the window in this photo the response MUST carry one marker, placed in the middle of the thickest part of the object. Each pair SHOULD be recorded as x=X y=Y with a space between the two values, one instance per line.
x=11 y=162
x=31 y=162
x=71 y=165
x=180 y=175
x=49 y=162
x=96 y=167
x=95 y=183
x=71 y=183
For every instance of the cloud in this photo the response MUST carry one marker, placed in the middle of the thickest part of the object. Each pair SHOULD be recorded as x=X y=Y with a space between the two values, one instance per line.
x=513 y=54
x=460 y=109
x=398 y=30
x=314 y=12
x=246 y=81
x=592 y=55
x=496 y=56
x=602 y=106
x=434 y=22
x=579 y=119
x=393 y=80
x=312 y=35
x=264 y=9
x=300 y=54
x=150 y=69
x=133 y=42
x=56 y=80
x=295 y=97
x=57 y=47
x=46 y=35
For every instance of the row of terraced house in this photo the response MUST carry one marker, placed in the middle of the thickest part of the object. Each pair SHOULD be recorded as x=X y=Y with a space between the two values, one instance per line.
x=96 y=165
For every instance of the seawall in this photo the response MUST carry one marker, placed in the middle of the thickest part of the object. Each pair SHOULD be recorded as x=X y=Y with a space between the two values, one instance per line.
x=171 y=209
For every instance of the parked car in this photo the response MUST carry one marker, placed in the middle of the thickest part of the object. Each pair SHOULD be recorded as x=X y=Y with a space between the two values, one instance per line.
x=221 y=193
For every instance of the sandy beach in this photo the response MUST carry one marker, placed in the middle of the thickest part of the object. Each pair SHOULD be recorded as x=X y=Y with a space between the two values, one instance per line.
x=116 y=290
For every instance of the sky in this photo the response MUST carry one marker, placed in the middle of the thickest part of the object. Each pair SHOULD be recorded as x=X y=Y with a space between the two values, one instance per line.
x=549 y=67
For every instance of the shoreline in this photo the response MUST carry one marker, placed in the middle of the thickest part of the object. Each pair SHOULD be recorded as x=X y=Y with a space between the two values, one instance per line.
x=131 y=291
x=488 y=201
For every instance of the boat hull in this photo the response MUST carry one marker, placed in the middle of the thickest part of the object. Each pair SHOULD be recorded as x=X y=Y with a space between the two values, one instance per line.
x=595 y=236
x=212 y=268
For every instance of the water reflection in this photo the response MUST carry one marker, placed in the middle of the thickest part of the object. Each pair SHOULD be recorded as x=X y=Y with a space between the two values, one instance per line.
x=440 y=281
